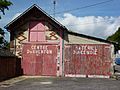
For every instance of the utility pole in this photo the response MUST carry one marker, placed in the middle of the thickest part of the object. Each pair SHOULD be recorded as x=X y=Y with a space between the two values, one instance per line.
x=54 y=7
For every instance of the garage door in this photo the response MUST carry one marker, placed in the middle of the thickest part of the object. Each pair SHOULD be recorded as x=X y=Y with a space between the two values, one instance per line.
x=39 y=59
x=87 y=59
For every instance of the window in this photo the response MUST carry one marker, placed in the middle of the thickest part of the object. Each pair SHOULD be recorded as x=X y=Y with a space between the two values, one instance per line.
x=37 y=31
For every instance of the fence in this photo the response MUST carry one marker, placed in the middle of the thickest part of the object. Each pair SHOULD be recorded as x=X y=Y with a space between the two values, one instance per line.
x=10 y=66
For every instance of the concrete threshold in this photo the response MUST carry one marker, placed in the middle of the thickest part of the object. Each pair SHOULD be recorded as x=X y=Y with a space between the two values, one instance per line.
x=39 y=76
x=11 y=81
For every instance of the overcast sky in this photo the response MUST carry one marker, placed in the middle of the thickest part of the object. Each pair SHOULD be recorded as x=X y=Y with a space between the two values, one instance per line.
x=99 y=18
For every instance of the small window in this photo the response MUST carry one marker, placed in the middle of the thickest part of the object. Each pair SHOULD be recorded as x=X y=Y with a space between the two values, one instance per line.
x=37 y=31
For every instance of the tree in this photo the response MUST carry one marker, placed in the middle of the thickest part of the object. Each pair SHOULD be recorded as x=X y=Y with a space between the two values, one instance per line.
x=4 y=4
x=3 y=43
x=115 y=37
x=1 y=37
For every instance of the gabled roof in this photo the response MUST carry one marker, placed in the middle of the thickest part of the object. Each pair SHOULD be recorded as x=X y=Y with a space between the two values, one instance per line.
x=34 y=6
x=91 y=37
x=40 y=10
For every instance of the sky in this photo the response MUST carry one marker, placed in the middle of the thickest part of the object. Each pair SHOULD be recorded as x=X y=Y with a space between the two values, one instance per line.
x=98 y=18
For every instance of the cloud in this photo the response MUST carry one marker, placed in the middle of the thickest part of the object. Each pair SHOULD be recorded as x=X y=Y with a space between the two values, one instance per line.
x=99 y=26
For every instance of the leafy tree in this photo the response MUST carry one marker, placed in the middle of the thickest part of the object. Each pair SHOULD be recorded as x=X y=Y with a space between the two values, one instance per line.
x=3 y=43
x=115 y=37
x=4 y=4
x=1 y=37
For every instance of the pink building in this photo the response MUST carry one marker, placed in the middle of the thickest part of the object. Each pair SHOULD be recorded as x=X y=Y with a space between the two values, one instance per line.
x=47 y=48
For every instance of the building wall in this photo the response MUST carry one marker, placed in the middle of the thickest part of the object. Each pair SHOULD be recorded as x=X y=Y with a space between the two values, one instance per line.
x=22 y=35
x=18 y=36
x=81 y=53
x=72 y=39
x=52 y=36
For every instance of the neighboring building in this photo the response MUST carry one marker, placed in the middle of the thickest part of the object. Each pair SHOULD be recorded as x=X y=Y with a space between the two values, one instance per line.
x=47 y=48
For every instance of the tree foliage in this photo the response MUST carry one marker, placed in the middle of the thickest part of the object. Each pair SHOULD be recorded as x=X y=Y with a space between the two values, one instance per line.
x=115 y=37
x=3 y=42
x=4 y=4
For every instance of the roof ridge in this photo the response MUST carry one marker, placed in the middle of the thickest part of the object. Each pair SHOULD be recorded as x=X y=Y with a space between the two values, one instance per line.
x=27 y=10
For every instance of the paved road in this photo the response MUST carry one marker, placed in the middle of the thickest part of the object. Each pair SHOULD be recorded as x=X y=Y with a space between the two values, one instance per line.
x=64 y=84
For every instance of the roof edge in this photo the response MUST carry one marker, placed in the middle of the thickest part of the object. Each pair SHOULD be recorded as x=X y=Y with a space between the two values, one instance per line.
x=24 y=12
x=92 y=37
x=34 y=5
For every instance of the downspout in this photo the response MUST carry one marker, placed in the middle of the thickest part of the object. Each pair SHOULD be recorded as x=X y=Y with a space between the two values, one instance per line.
x=63 y=53
x=15 y=43
x=61 y=71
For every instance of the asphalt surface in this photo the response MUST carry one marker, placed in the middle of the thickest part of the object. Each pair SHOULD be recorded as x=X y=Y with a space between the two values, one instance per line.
x=64 y=84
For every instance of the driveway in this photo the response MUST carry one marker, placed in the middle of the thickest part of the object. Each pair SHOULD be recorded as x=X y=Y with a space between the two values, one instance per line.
x=63 y=84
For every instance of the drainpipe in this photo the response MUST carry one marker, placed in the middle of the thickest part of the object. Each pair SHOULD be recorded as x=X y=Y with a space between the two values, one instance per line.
x=63 y=53
x=15 y=43
x=61 y=71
